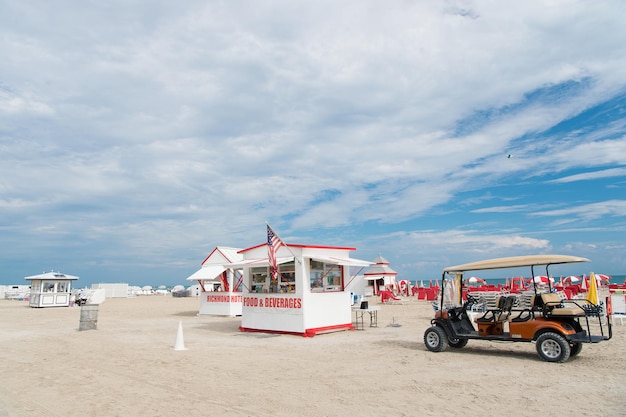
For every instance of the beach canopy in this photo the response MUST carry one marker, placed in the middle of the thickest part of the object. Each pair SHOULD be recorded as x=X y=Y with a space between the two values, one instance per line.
x=208 y=272
x=342 y=261
x=282 y=260
x=258 y=262
x=373 y=278
x=515 y=262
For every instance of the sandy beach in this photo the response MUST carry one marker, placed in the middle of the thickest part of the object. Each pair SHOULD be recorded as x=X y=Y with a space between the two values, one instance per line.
x=127 y=367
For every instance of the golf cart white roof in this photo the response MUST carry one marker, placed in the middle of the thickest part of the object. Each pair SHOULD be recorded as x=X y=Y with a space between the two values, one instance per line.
x=515 y=262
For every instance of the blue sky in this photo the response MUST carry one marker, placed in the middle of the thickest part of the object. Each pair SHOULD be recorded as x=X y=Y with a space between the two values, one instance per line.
x=137 y=136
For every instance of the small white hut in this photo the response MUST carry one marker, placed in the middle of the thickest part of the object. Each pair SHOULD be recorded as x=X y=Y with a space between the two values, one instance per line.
x=381 y=275
x=220 y=285
x=50 y=289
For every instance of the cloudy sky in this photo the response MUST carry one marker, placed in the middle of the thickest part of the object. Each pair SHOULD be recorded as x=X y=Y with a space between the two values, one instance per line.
x=135 y=136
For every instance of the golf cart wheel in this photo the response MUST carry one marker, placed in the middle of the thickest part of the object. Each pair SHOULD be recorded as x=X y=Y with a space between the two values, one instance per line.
x=435 y=339
x=553 y=347
x=575 y=348
x=457 y=343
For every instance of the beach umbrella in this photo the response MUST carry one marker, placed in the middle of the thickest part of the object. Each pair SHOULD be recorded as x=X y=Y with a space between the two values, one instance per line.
x=474 y=280
x=603 y=277
x=583 y=285
x=540 y=279
x=592 y=293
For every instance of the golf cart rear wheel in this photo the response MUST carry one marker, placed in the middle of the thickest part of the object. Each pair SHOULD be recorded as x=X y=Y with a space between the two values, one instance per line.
x=457 y=343
x=435 y=339
x=575 y=348
x=553 y=347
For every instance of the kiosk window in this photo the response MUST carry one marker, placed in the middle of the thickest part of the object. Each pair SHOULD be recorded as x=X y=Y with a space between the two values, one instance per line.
x=326 y=277
x=287 y=277
x=261 y=282
x=259 y=279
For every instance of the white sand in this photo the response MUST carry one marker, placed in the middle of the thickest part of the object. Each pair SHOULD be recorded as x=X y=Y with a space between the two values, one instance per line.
x=127 y=367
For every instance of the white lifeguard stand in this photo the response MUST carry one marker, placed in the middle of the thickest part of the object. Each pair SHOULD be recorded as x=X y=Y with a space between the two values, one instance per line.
x=310 y=296
x=50 y=289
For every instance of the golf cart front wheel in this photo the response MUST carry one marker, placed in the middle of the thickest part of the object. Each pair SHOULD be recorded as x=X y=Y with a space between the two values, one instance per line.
x=435 y=339
x=553 y=347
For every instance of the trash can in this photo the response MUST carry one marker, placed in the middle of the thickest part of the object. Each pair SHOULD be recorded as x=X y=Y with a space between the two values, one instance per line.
x=88 y=317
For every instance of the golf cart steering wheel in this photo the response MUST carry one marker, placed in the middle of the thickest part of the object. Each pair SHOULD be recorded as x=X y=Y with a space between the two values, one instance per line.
x=471 y=300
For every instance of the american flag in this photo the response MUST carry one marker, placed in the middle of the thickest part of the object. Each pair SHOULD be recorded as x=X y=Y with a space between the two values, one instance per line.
x=273 y=243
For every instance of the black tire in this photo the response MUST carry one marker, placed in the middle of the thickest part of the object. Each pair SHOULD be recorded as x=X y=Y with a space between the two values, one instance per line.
x=457 y=343
x=575 y=348
x=553 y=347
x=435 y=339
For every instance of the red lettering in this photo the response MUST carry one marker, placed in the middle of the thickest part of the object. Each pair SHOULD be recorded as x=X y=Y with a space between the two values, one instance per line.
x=269 y=302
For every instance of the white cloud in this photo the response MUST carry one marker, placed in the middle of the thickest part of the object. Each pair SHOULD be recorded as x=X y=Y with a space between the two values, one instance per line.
x=217 y=116
x=609 y=208
x=605 y=173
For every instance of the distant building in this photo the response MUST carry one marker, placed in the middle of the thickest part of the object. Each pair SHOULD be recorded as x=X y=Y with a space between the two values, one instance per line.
x=50 y=289
x=380 y=275
x=112 y=290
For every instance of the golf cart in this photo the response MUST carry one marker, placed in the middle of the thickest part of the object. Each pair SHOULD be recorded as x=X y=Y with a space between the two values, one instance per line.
x=558 y=326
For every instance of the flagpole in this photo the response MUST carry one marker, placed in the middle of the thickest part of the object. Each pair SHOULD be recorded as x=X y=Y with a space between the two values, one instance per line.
x=284 y=244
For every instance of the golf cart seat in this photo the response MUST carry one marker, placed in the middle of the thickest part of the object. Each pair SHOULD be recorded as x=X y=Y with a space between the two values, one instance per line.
x=527 y=310
x=554 y=306
x=502 y=312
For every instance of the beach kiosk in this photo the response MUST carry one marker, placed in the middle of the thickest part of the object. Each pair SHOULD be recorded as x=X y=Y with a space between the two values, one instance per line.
x=307 y=294
x=381 y=275
x=50 y=289
x=220 y=286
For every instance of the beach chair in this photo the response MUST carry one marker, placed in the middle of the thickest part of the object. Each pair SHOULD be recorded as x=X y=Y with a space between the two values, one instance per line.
x=387 y=297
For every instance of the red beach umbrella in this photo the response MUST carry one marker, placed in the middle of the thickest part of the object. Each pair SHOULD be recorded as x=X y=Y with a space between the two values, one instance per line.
x=603 y=277
x=571 y=279
x=474 y=280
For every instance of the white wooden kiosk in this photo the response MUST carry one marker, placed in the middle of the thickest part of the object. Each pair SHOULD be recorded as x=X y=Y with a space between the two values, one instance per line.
x=50 y=289
x=220 y=286
x=381 y=275
x=310 y=296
